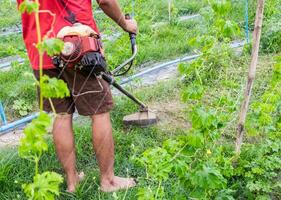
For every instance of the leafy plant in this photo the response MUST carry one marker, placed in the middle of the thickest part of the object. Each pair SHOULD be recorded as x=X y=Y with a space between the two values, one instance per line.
x=44 y=187
x=271 y=37
x=266 y=111
x=54 y=88
x=198 y=162
x=22 y=107
x=32 y=146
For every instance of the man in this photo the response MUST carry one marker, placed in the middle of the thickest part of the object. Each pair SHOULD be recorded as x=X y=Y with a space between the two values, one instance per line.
x=92 y=98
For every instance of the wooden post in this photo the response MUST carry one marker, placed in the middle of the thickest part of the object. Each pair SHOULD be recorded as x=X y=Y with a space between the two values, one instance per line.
x=251 y=75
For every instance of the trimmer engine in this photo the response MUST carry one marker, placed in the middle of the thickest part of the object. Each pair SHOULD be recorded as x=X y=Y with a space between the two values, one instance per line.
x=84 y=52
x=83 y=49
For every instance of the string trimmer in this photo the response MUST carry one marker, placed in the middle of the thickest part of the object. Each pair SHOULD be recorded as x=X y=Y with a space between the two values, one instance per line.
x=83 y=50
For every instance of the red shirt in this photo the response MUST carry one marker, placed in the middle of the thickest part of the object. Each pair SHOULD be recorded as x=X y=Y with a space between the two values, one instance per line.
x=81 y=8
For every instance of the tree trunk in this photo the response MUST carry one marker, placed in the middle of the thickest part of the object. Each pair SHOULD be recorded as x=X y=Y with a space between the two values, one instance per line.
x=251 y=75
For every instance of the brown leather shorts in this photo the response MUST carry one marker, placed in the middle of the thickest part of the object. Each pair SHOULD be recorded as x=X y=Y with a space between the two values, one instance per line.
x=89 y=97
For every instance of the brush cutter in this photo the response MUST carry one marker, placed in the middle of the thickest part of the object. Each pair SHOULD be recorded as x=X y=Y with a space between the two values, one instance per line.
x=83 y=50
x=144 y=117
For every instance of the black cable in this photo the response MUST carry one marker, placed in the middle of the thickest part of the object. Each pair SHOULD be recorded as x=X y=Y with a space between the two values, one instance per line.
x=126 y=71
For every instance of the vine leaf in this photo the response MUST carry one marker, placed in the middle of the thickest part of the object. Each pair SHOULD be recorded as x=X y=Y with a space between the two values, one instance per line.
x=208 y=177
x=34 y=144
x=28 y=6
x=54 y=88
x=52 y=46
x=44 y=187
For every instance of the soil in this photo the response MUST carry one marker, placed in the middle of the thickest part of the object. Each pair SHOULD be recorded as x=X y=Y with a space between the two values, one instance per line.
x=171 y=115
x=11 y=139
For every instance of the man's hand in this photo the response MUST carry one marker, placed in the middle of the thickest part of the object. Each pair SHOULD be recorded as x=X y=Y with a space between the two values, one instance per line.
x=112 y=9
x=130 y=26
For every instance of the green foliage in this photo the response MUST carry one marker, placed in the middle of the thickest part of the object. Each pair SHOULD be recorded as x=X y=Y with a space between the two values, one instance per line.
x=198 y=162
x=192 y=91
x=44 y=187
x=52 y=46
x=34 y=144
x=221 y=7
x=16 y=85
x=158 y=163
x=259 y=167
x=145 y=194
x=22 y=107
x=216 y=53
x=54 y=88
x=8 y=14
x=271 y=36
x=195 y=159
x=11 y=45
x=28 y=6
x=266 y=111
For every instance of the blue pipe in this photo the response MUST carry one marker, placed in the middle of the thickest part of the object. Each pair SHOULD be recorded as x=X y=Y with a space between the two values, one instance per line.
x=2 y=114
x=19 y=123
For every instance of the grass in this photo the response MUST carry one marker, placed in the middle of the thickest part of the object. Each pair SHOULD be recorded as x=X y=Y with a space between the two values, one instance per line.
x=159 y=43
x=155 y=44
x=15 y=84
x=11 y=45
x=8 y=14
x=227 y=92
x=129 y=142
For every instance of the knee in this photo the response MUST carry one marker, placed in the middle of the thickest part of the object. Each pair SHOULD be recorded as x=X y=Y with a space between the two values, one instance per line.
x=63 y=118
x=101 y=116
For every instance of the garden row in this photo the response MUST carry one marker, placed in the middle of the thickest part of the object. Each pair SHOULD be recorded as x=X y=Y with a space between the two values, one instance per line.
x=197 y=162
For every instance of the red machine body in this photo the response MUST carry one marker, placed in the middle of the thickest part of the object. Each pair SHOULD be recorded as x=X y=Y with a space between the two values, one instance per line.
x=75 y=47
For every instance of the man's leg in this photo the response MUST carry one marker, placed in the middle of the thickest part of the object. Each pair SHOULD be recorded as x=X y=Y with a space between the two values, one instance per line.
x=104 y=149
x=65 y=148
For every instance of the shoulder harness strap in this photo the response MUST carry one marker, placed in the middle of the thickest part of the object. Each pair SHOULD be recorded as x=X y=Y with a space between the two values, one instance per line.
x=71 y=16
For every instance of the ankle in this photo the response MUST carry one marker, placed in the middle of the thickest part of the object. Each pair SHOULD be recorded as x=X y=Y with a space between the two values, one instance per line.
x=107 y=178
x=71 y=174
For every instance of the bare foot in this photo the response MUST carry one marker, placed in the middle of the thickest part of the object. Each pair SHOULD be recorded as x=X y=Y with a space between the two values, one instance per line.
x=117 y=183
x=73 y=184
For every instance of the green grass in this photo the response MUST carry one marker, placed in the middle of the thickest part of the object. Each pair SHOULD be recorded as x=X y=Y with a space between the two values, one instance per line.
x=9 y=15
x=11 y=45
x=141 y=138
x=15 y=84
x=155 y=44
x=130 y=142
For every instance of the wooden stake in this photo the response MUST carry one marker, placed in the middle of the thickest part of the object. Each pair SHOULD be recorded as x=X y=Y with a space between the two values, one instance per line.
x=251 y=75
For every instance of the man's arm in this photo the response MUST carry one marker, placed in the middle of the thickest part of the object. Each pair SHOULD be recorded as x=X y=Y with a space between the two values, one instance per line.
x=112 y=9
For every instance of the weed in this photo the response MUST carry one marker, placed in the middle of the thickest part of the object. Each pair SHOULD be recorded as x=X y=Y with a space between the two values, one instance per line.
x=200 y=162
x=22 y=107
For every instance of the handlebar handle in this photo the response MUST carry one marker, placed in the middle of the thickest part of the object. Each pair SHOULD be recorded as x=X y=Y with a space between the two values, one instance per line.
x=132 y=35
x=134 y=51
